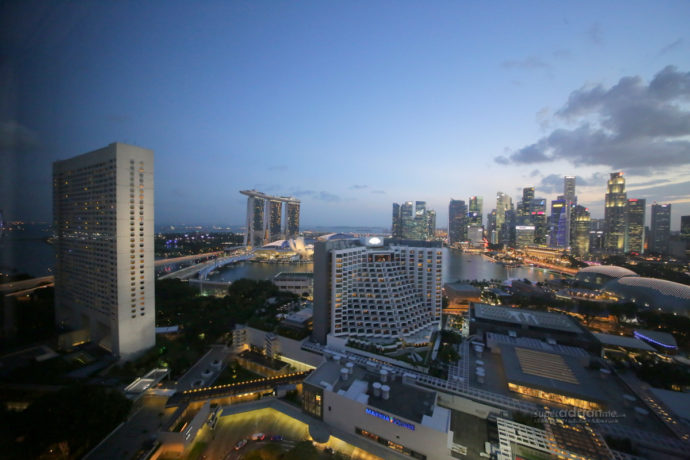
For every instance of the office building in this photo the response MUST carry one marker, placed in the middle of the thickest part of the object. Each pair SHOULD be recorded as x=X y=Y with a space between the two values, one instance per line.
x=614 y=214
x=265 y=222
x=570 y=202
x=558 y=227
x=634 y=225
x=524 y=235
x=539 y=220
x=596 y=235
x=580 y=234
x=474 y=215
x=413 y=221
x=457 y=221
x=396 y=223
x=685 y=227
x=377 y=291
x=503 y=204
x=103 y=219
x=508 y=228
x=661 y=228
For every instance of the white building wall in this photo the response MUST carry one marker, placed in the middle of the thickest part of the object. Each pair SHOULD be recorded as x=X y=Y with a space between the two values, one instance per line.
x=347 y=414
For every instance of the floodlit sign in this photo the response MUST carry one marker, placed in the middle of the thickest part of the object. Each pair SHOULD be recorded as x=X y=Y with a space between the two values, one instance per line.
x=390 y=419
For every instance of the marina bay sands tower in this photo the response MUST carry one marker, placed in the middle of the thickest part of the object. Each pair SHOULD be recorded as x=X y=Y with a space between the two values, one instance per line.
x=265 y=222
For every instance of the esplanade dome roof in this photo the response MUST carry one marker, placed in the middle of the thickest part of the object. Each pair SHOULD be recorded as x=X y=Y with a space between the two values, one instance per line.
x=611 y=271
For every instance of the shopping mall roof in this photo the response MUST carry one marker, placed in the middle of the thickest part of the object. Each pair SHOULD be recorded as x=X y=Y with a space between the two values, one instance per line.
x=622 y=341
x=660 y=338
x=551 y=372
x=532 y=318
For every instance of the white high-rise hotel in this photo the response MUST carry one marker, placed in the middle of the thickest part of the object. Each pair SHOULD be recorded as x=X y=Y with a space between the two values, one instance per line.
x=103 y=217
x=386 y=293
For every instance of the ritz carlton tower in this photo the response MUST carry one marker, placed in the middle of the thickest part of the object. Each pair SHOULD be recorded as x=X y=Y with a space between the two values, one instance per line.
x=103 y=219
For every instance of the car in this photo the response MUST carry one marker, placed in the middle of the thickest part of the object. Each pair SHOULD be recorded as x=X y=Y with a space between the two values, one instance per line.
x=258 y=437
x=240 y=444
x=276 y=437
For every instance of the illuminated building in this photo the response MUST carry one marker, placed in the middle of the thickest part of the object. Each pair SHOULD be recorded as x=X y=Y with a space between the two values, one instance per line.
x=413 y=222
x=661 y=228
x=292 y=224
x=634 y=225
x=376 y=404
x=265 y=218
x=103 y=219
x=668 y=296
x=503 y=204
x=475 y=217
x=377 y=291
x=559 y=228
x=614 y=214
x=685 y=227
x=538 y=220
x=524 y=235
x=457 y=221
x=580 y=224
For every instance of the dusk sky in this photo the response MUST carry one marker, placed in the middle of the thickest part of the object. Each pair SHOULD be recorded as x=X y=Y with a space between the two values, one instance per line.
x=349 y=106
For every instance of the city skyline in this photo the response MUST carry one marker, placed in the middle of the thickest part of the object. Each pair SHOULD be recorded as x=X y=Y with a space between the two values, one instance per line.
x=317 y=101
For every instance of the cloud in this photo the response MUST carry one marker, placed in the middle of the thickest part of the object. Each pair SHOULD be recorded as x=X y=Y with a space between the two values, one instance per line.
x=358 y=187
x=595 y=34
x=670 y=47
x=379 y=192
x=553 y=183
x=632 y=126
x=17 y=138
x=534 y=173
x=322 y=196
x=665 y=193
x=530 y=62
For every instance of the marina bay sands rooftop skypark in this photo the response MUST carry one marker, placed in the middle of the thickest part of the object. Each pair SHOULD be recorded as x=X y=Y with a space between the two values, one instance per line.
x=268 y=220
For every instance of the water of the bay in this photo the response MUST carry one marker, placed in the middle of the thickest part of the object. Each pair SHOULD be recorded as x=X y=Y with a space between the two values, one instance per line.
x=456 y=266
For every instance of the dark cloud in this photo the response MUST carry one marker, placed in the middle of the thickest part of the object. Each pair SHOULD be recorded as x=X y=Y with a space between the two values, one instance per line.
x=534 y=173
x=358 y=187
x=651 y=182
x=631 y=126
x=670 y=47
x=595 y=34
x=662 y=193
x=17 y=138
x=553 y=183
x=530 y=62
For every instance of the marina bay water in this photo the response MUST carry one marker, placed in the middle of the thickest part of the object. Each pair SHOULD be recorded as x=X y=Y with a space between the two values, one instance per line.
x=456 y=266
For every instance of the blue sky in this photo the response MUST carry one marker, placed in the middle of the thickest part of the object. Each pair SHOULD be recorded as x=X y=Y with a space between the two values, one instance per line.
x=349 y=106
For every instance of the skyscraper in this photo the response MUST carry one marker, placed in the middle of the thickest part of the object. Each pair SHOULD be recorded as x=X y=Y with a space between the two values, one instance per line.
x=413 y=222
x=396 y=222
x=292 y=224
x=661 y=228
x=539 y=220
x=614 y=214
x=503 y=204
x=580 y=225
x=685 y=227
x=103 y=219
x=475 y=211
x=457 y=221
x=570 y=201
x=558 y=225
x=634 y=225
x=265 y=218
